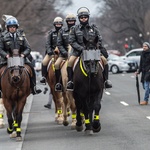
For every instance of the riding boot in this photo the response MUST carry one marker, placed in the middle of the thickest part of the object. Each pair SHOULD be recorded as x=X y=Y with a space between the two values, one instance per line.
x=34 y=89
x=44 y=74
x=70 y=84
x=107 y=82
x=58 y=86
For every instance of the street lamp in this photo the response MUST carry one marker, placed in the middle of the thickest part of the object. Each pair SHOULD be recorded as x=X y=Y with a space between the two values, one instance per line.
x=131 y=42
x=140 y=35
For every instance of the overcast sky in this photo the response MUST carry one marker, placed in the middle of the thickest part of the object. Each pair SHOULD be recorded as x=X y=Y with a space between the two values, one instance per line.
x=81 y=3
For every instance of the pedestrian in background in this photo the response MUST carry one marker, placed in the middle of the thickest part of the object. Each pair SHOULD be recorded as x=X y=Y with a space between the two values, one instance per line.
x=144 y=68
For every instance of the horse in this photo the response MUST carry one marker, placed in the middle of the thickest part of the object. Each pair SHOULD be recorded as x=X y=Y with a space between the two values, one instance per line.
x=57 y=96
x=88 y=90
x=63 y=104
x=15 y=87
x=69 y=102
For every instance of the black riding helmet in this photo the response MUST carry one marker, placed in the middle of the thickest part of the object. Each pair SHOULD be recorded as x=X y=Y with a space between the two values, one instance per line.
x=83 y=12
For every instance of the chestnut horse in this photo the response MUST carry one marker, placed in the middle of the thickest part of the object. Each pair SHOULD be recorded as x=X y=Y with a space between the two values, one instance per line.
x=69 y=103
x=88 y=90
x=63 y=104
x=57 y=96
x=15 y=85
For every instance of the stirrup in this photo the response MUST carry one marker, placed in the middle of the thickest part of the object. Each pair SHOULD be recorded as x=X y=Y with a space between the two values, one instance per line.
x=70 y=86
x=36 y=91
x=43 y=80
x=58 y=87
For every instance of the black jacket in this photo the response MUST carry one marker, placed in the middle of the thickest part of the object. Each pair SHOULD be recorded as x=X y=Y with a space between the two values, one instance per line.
x=144 y=66
x=63 y=41
x=86 y=37
x=51 y=42
x=7 y=44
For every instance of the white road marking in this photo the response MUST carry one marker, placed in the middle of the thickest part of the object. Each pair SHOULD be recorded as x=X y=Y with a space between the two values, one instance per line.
x=106 y=92
x=148 y=117
x=124 y=103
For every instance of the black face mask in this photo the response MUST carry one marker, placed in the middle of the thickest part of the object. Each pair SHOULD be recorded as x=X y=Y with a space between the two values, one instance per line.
x=70 y=25
x=58 y=28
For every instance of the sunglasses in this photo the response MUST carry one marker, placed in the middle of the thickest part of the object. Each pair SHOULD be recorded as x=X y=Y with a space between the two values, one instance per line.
x=12 y=26
x=83 y=17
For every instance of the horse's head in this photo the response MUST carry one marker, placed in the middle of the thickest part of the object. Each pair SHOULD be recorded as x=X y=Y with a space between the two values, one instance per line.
x=15 y=65
x=15 y=74
x=90 y=60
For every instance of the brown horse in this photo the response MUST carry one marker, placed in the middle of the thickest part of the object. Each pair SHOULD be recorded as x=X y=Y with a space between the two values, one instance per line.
x=63 y=104
x=15 y=85
x=69 y=103
x=57 y=96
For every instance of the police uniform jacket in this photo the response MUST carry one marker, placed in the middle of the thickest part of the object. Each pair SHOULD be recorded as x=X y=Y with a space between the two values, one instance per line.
x=85 y=37
x=51 y=42
x=63 y=41
x=144 y=66
x=8 y=43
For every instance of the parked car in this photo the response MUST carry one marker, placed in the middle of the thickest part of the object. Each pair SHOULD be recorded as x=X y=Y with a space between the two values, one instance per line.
x=115 y=52
x=118 y=65
x=133 y=55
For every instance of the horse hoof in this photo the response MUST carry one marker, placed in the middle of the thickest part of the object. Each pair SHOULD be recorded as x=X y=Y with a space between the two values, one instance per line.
x=18 y=139
x=79 y=128
x=13 y=134
x=65 y=123
x=89 y=132
x=97 y=130
x=96 y=126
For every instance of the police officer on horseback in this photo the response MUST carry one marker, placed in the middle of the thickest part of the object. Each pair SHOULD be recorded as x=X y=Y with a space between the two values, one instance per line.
x=51 y=44
x=11 y=39
x=85 y=36
x=63 y=46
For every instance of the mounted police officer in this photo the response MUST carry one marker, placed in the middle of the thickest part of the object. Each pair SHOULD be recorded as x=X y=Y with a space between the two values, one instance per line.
x=63 y=46
x=85 y=36
x=11 y=39
x=51 y=44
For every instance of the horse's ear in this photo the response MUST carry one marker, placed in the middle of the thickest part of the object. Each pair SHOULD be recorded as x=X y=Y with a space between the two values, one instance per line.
x=15 y=52
x=56 y=51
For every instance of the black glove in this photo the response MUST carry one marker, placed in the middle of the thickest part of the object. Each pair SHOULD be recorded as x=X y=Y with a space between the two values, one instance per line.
x=50 y=53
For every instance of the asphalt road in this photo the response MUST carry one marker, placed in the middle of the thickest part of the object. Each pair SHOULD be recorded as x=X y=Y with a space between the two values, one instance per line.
x=125 y=124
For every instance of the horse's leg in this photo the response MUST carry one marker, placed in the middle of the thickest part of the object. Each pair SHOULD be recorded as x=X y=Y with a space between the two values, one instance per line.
x=96 y=122
x=19 y=111
x=88 y=123
x=66 y=109
x=73 y=108
x=79 y=124
x=1 y=113
x=8 y=106
x=59 y=108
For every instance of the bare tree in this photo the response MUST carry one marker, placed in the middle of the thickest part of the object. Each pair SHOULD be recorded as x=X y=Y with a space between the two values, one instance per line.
x=126 y=19
x=34 y=16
